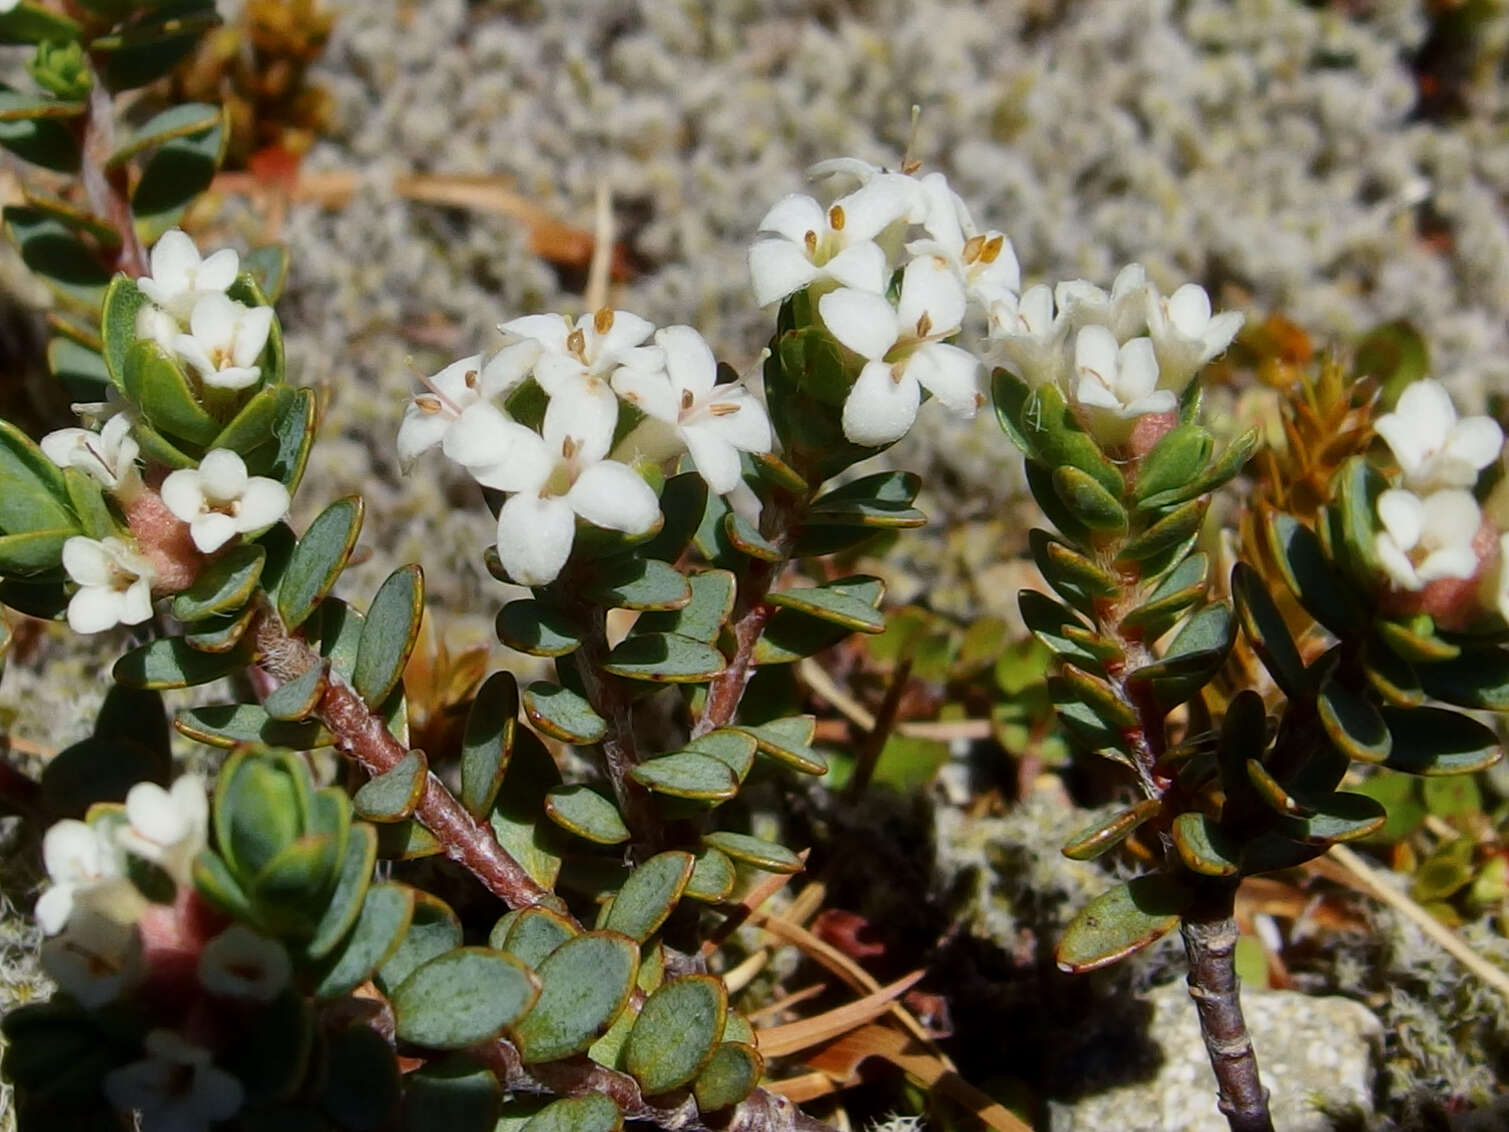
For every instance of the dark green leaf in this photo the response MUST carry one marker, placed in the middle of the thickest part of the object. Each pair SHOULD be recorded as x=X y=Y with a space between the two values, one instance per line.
x=586 y=812
x=405 y=841
x=1353 y=723
x=747 y=539
x=562 y=714
x=789 y=741
x=100 y=770
x=675 y=1034
x=536 y=933
x=703 y=617
x=635 y=582
x=687 y=774
x=1298 y=553
x=594 y=1112
x=43 y=141
x=1176 y=462
x=712 y=877
x=268 y=265
x=433 y=930
x=518 y=816
x=389 y=634
x=1088 y=501
x=392 y=795
x=30 y=22
x=1429 y=740
x=791 y=634
x=169 y=663
x=349 y=897
x=1204 y=847
x=225 y=584
x=298 y=698
x=841 y=606
x=1121 y=921
x=35 y=496
x=753 y=851
x=386 y=913
x=151 y=44
x=647 y=897
x=175 y=122
x=318 y=559
x=488 y=741
x=682 y=501
x=1173 y=530
x=1267 y=632
x=1106 y=835
x=584 y=985
x=361 y=1087
x=228 y=725
x=664 y=658
x=1338 y=817
x=730 y=1075
x=454 y=1095
x=734 y=749
x=537 y=627
x=462 y=998
x=1181 y=588
x=270 y=1050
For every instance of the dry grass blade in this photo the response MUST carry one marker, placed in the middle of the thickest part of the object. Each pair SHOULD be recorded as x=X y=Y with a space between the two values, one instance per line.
x=783 y=1004
x=777 y=1041
x=746 y=907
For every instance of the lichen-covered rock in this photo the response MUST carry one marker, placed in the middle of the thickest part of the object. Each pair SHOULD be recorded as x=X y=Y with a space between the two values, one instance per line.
x=1315 y=1054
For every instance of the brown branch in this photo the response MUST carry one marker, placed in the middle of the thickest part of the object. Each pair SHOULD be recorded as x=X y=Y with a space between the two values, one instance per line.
x=109 y=190
x=1210 y=942
x=761 y=1111
x=361 y=733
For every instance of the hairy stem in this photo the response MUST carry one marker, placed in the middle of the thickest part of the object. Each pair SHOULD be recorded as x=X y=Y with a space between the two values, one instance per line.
x=361 y=733
x=1210 y=942
x=109 y=190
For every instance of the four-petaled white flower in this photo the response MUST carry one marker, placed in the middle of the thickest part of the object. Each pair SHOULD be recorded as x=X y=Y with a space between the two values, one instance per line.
x=1029 y=339
x=180 y=278
x=78 y=858
x=167 y=827
x=97 y=957
x=1123 y=311
x=115 y=584
x=715 y=422
x=108 y=456
x=176 y=1088
x=1115 y=385
x=553 y=479
x=239 y=963
x=218 y=500
x=1185 y=334
x=801 y=243
x=576 y=363
x=1433 y=447
x=225 y=340
x=904 y=351
x=985 y=261
x=455 y=389
x=1424 y=540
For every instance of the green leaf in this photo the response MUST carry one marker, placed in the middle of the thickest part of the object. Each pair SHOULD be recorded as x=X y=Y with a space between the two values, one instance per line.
x=227 y=583
x=840 y=606
x=682 y=502
x=433 y=931
x=160 y=450
x=789 y=741
x=586 y=812
x=35 y=496
x=454 y=1095
x=268 y=265
x=712 y=877
x=664 y=658
x=1429 y=740
x=153 y=42
x=687 y=774
x=1122 y=921
x=34 y=552
x=462 y=998
x=179 y=121
x=1452 y=796
x=361 y=1089
x=169 y=663
x=81 y=370
x=1106 y=835
x=594 y=1112
x=122 y=302
x=1297 y=551
x=881 y=500
x=1419 y=646
x=1185 y=585
x=517 y=817
x=792 y=634
x=703 y=617
x=1338 y=817
x=294 y=427
x=674 y=1036
x=30 y=22
x=1394 y=355
x=1477 y=679
x=1173 y=530
x=349 y=897
x=386 y=914
x=99 y=769
x=584 y=985
x=318 y=559
x=761 y=854
x=389 y=634
x=1352 y=723
x=1400 y=796
x=1054 y=437
x=289 y=892
x=1175 y=465
x=270 y=1050
x=1392 y=677
x=488 y=740
x=52 y=250
x=1267 y=632
x=747 y=539
x=538 y=628
x=1205 y=847
x=297 y=699
x=1193 y=658
x=1094 y=693
x=734 y=749
x=392 y=795
x=405 y=841
x=635 y=582
x=562 y=714
x=1067 y=571
x=47 y=142
x=536 y=934
x=75 y=217
x=1088 y=501
x=731 y=1074
x=228 y=725
x=647 y=897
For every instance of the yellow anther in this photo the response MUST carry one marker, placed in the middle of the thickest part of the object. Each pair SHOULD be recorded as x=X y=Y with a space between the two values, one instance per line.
x=836 y=218
x=722 y=408
x=974 y=247
x=602 y=321
x=576 y=344
x=924 y=324
x=686 y=399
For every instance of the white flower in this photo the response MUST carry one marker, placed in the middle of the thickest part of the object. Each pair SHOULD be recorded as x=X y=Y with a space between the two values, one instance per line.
x=904 y=351
x=1423 y=540
x=715 y=422
x=78 y=858
x=8 y=5
x=176 y=1088
x=1433 y=448
x=576 y=362
x=985 y=261
x=554 y=479
x=225 y=340
x=153 y=324
x=1117 y=384
x=1123 y=311
x=108 y=456
x=95 y=959
x=218 y=500
x=115 y=584
x=180 y=278
x=902 y=182
x=1184 y=333
x=239 y=963
x=167 y=827
x=1029 y=338
x=455 y=389
x=801 y=243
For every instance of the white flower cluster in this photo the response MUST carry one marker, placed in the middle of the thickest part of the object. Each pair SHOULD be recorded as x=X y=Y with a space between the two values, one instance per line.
x=1430 y=523
x=570 y=468
x=191 y=316
x=1120 y=355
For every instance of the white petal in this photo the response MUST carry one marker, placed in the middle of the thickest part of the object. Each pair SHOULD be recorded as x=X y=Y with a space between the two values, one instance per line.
x=748 y=428
x=174 y=258
x=862 y=265
x=252 y=330
x=1448 y=562
x=193 y=351
x=154 y=815
x=499 y=453
x=945 y=213
x=1404 y=439
x=506 y=370
x=1159 y=401
x=1036 y=309
x=233 y=377
x=1395 y=562
x=264 y=502
x=1426 y=408
x=94 y=609
x=1189 y=310
x=948 y=373
x=53 y=908
x=1403 y=516
x=778 y=267
x=930 y=287
x=650 y=393
x=182 y=494
x=534 y=538
x=212 y=530
x=136 y=602
x=72 y=852
x=1137 y=370
x=60 y=445
x=716 y=459
x=880 y=409
x=870 y=208
x=218 y=271
x=1219 y=333
x=1476 y=442
x=793 y=216
x=214 y=320
x=612 y=495
x=1095 y=355
x=862 y=321
x=688 y=360
x=1451 y=518
x=420 y=431
x=222 y=475
x=587 y=415
x=1092 y=392
x=627 y=331
x=550 y=330
x=88 y=561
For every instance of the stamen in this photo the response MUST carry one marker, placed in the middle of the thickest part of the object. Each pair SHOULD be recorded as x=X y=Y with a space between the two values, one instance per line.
x=924 y=324
x=722 y=408
x=428 y=403
x=602 y=321
x=809 y=241
x=686 y=399
x=974 y=247
x=569 y=447
x=576 y=345
x=992 y=248
x=836 y=218
x=471 y=379
x=897 y=373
